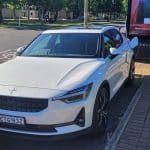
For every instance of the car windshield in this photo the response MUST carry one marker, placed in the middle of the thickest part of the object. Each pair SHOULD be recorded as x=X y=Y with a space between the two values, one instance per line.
x=64 y=45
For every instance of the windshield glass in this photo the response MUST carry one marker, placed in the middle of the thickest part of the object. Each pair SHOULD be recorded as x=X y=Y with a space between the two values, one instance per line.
x=63 y=45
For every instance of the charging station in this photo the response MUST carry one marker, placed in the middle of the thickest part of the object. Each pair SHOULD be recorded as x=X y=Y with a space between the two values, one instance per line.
x=138 y=24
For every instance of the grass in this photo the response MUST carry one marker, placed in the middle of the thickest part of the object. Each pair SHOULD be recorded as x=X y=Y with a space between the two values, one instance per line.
x=59 y=24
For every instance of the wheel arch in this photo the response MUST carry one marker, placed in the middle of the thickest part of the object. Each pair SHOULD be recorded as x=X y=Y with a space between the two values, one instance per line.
x=133 y=57
x=106 y=85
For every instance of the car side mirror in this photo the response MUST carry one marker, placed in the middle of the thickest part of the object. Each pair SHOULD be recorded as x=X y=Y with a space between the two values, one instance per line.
x=134 y=42
x=20 y=50
x=114 y=52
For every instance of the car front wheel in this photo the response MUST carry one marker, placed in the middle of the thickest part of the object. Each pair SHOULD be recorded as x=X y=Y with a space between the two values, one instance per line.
x=100 y=114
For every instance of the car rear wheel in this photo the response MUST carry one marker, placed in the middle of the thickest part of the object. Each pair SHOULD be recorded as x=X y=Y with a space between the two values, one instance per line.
x=130 y=79
x=100 y=113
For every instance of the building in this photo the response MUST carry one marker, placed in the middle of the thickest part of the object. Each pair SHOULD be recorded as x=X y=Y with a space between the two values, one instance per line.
x=33 y=14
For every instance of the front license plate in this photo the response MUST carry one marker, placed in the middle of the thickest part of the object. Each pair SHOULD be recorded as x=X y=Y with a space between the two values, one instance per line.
x=12 y=120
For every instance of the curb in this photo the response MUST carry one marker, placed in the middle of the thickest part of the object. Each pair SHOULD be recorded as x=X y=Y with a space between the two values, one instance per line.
x=111 y=144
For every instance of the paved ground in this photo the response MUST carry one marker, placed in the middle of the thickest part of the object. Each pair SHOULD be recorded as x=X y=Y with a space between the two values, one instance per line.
x=135 y=135
x=143 y=68
x=10 y=40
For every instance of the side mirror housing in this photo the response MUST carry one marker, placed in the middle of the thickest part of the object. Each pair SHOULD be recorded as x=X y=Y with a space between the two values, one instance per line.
x=134 y=42
x=114 y=52
x=20 y=50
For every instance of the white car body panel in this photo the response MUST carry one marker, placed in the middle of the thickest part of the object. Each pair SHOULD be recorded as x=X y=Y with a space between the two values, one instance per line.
x=26 y=69
x=35 y=77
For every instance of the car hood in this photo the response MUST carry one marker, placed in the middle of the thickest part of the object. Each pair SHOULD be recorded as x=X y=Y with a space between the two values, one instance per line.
x=49 y=73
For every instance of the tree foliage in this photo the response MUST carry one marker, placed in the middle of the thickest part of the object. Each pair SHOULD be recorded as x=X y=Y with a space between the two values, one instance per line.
x=2 y=3
x=125 y=5
x=75 y=6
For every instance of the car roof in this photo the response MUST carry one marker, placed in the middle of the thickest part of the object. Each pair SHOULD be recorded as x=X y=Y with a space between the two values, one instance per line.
x=81 y=29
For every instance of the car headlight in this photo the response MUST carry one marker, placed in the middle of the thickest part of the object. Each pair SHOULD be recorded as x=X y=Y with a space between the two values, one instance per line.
x=75 y=95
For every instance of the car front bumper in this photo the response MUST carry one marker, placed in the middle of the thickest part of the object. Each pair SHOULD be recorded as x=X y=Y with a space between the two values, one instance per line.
x=46 y=122
x=58 y=118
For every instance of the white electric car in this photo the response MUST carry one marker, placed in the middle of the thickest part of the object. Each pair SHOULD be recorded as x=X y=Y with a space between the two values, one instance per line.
x=62 y=82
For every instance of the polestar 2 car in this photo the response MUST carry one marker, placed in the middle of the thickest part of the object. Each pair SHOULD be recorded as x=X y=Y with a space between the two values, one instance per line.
x=62 y=82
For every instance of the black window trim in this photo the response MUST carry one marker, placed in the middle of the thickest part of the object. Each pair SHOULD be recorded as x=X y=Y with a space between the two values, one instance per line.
x=120 y=36
x=102 y=49
x=105 y=33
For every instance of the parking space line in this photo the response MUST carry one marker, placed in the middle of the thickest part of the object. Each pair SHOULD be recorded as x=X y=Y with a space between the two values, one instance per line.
x=6 y=51
x=6 y=55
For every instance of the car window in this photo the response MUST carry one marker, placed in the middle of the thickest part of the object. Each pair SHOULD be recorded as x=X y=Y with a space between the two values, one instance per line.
x=39 y=46
x=64 y=45
x=117 y=37
x=107 y=44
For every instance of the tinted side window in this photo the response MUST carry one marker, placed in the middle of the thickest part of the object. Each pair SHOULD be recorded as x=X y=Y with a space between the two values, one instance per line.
x=117 y=37
x=108 y=43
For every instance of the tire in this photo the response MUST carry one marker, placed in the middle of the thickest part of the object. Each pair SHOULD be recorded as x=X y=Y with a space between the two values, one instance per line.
x=130 y=79
x=100 y=114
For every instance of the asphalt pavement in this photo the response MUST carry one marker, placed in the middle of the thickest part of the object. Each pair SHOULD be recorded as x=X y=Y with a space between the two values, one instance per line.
x=10 y=40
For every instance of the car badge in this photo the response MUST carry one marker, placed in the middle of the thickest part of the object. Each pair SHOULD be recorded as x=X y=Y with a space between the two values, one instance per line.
x=13 y=90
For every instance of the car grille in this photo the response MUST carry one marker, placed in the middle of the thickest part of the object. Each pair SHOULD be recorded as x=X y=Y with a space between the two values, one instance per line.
x=22 y=104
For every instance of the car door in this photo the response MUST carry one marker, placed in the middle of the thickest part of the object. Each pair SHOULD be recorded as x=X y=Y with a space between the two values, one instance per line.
x=121 y=44
x=114 y=72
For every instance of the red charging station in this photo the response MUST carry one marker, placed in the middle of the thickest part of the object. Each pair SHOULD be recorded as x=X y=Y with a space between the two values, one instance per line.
x=138 y=24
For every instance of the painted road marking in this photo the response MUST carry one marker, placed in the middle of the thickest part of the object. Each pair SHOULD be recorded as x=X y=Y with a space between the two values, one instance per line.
x=6 y=55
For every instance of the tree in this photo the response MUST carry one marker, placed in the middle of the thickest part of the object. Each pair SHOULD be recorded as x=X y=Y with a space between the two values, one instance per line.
x=55 y=7
x=110 y=8
x=94 y=6
x=14 y=3
x=125 y=5
x=118 y=6
x=107 y=7
x=28 y=3
x=1 y=6
x=75 y=6
x=2 y=3
x=40 y=5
